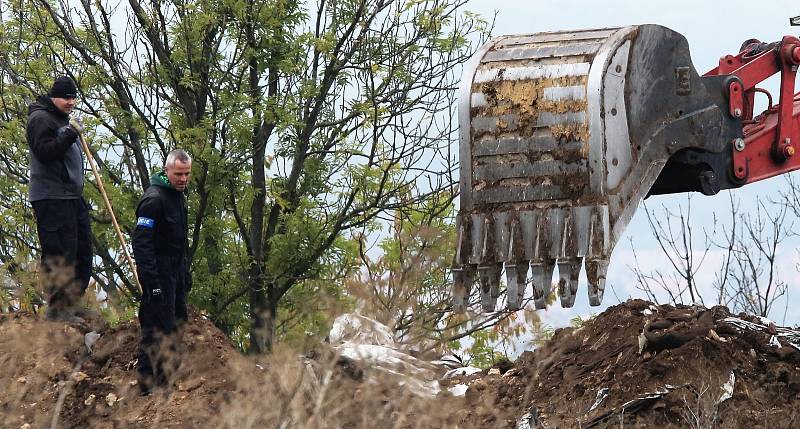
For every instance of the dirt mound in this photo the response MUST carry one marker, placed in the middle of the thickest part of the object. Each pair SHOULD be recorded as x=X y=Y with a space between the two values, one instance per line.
x=635 y=365
x=641 y=365
x=48 y=377
x=47 y=372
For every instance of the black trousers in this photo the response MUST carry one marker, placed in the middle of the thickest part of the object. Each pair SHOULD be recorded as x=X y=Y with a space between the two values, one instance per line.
x=161 y=318
x=66 y=240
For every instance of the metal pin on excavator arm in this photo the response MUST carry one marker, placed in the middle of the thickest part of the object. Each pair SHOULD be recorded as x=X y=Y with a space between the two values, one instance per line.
x=563 y=134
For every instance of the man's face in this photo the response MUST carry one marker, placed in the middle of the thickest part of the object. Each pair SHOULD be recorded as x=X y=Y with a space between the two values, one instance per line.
x=66 y=105
x=178 y=174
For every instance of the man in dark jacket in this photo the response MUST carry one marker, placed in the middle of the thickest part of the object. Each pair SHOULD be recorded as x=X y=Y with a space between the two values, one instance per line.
x=55 y=191
x=160 y=243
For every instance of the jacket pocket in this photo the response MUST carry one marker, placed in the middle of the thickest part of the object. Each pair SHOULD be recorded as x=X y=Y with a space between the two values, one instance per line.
x=172 y=227
x=52 y=221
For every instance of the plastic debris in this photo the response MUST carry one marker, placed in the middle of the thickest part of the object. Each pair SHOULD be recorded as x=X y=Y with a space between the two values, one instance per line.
x=355 y=328
x=727 y=389
x=636 y=404
x=631 y=406
x=90 y=339
x=529 y=420
x=449 y=361
x=602 y=394
x=766 y=321
x=371 y=344
x=458 y=389
x=790 y=335
x=465 y=371
x=642 y=342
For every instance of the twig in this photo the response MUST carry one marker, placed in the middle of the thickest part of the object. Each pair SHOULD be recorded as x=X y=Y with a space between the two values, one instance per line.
x=63 y=395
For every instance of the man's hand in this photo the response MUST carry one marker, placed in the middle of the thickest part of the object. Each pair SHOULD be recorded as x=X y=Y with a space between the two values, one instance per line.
x=76 y=124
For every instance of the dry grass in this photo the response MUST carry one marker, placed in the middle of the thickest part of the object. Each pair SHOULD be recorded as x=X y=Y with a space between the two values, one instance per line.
x=47 y=376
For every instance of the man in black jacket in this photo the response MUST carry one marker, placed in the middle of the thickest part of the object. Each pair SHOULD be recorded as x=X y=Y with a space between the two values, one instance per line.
x=160 y=243
x=55 y=191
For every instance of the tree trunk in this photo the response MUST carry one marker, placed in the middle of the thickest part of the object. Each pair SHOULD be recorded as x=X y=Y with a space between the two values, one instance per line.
x=262 y=316
x=213 y=259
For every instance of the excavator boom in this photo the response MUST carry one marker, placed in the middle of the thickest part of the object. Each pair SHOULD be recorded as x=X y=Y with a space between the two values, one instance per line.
x=563 y=134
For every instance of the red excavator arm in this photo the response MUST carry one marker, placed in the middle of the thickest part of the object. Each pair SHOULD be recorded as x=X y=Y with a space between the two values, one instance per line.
x=772 y=138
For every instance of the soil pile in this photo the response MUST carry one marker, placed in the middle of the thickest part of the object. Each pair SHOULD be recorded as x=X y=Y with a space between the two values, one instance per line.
x=642 y=365
x=48 y=379
x=47 y=371
x=635 y=365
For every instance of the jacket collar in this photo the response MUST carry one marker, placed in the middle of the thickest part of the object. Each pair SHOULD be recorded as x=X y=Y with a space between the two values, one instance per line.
x=160 y=179
x=44 y=102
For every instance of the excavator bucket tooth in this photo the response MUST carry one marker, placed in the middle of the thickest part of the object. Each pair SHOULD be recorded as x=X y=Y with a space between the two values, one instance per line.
x=516 y=278
x=463 y=278
x=489 y=277
x=545 y=251
x=569 y=261
x=568 y=272
x=516 y=268
x=561 y=136
x=542 y=279
x=489 y=271
x=596 y=271
x=463 y=271
x=596 y=259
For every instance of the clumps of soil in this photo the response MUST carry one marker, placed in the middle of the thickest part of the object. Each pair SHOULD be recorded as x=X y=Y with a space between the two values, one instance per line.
x=635 y=365
x=642 y=365
x=53 y=379
x=48 y=377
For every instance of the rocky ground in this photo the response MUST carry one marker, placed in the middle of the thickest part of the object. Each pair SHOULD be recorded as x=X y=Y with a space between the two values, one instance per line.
x=635 y=365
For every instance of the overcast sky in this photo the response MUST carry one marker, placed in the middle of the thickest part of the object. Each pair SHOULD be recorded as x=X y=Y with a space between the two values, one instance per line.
x=713 y=29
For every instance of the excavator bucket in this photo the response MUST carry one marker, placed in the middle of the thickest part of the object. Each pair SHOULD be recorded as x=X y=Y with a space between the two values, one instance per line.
x=561 y=137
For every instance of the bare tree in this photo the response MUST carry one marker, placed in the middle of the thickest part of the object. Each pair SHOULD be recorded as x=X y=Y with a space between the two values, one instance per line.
x=747 y=277
x=752 y=282
x=676 y=238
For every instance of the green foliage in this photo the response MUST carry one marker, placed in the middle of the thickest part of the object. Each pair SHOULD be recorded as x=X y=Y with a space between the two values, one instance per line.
x=118 y=313
x=544 y=334
x=483 y=352
x=308 y=127
x=578 y=321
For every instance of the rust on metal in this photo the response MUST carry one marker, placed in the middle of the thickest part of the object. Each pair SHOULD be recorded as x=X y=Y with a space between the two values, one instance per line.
x=525 y=100
x=570 y=131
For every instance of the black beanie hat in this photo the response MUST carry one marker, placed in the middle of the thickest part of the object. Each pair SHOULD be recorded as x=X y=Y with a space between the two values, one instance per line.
x=64 y=87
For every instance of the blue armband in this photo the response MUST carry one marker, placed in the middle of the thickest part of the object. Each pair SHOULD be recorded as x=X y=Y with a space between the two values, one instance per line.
x=146 y=222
